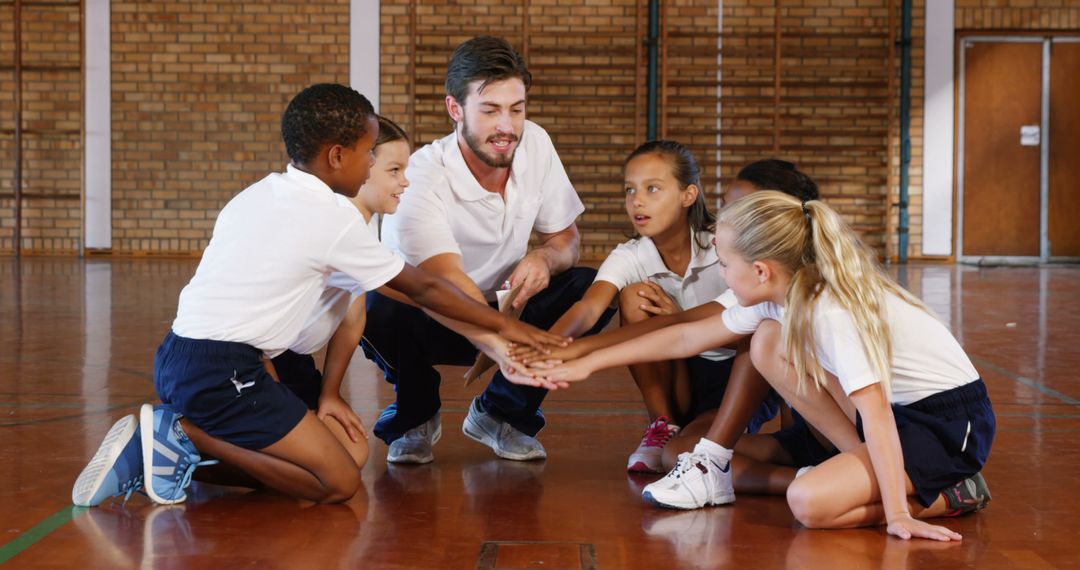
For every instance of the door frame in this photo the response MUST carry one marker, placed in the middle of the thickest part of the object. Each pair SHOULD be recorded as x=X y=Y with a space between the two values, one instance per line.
x=1046 y=39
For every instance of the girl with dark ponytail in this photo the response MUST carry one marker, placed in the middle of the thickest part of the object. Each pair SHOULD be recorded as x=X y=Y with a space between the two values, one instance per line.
x=669 y=268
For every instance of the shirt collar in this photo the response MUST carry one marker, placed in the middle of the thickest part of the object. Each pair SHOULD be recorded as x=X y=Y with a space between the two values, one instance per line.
x=699 y=257
x=461 y=179
x=307 y=180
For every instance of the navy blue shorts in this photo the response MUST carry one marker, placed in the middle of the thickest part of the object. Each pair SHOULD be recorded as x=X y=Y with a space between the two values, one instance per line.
x=224 y=389
x=708 y=382
x=945 y=438
x=299 y=373
x=805 y=449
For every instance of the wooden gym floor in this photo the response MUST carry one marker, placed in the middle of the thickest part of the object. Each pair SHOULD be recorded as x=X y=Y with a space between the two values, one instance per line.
x=78 y=338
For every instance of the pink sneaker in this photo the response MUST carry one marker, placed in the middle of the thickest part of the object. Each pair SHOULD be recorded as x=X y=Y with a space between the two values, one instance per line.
x=648 y=457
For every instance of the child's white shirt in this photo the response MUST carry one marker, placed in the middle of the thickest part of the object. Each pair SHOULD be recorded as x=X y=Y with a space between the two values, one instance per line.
x=638 y=260
x=273 y=249
x=927 y=359
x=446 y=210
x=340 y=293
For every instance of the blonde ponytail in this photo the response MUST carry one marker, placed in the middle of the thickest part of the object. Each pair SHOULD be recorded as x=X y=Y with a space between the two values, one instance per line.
x=822 y=253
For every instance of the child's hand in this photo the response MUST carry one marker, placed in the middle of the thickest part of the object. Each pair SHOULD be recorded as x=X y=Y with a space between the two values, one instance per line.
x=529 y=377
x=524 y=333
x=658 y=302
x=572 y=371
x=337 y=408
x=907 y=527
x=529 y=355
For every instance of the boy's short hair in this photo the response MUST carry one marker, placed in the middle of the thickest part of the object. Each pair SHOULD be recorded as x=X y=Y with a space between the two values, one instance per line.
x=324 y=114
x=487 y=58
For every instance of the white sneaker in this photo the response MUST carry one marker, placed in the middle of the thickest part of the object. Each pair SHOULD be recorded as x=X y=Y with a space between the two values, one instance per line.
x=696 y=481
x=648 y=457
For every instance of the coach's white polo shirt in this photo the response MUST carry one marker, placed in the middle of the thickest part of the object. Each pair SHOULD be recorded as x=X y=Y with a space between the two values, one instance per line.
x=638 y=260
x=272 y=252
x=445 y=210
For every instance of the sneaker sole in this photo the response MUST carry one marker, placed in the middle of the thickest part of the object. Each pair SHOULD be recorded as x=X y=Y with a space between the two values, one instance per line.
x=482 y=437
x=642 y=467
x=146 y=418
x=649 y=498
x=416 y=459
x=95 y=472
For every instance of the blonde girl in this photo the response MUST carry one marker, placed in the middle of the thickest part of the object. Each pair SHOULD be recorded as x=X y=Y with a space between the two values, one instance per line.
x=863 y=360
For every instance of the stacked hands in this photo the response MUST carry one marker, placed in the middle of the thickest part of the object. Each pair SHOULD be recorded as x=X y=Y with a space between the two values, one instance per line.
x=552 y=362
x=547 y=367
x=522 y=351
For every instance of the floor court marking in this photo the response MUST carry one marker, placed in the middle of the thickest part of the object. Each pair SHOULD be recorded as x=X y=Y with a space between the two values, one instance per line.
x=38 y=532
x=46 y=527
x=1026 y=381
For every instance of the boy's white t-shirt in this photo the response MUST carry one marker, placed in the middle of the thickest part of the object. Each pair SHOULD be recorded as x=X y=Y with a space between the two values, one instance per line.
x=269 y=260
x=638 y=260
x=927 y=359
x=340 y=293
x=445 y=210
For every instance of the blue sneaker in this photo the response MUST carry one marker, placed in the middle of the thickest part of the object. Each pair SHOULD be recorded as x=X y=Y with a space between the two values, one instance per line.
x=169 y=458
x=116 y=469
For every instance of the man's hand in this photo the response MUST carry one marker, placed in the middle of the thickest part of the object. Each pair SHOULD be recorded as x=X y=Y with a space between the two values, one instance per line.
x=533 y=275
x=337 y=408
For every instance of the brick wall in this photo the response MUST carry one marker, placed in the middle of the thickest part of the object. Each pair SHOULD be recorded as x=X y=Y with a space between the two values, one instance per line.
x=52 y=125
x=587 y=89
x=198 y=92
x=832 y=114
x=1018 y=15
x=198 y=88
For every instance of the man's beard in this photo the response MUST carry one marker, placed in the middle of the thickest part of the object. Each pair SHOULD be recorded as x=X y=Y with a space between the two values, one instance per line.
x=499 y=161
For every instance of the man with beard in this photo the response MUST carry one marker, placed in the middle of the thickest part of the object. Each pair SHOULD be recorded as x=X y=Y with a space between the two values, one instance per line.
x=476 y=197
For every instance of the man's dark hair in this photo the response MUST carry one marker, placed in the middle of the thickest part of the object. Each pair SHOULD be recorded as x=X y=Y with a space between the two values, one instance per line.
x=487 y=58
x=324 y=114
x=776 y=174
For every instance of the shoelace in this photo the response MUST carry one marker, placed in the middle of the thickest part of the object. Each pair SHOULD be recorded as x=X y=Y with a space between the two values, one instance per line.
x=130 y=486
x=186 y=470
x=658 y=434
x=688 y=461
x=682 y=465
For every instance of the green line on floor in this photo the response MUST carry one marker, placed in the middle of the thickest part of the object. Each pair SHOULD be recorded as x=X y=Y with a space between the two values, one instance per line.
x=30 y=537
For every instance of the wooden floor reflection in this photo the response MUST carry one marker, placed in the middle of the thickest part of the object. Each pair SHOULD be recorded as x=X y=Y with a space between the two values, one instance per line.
x=78 y=340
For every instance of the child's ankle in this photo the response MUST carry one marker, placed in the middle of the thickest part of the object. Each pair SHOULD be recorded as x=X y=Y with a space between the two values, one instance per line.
x=714 y=450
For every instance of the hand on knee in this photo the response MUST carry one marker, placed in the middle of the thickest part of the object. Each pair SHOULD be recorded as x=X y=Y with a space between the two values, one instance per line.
x=630 y=303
